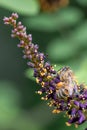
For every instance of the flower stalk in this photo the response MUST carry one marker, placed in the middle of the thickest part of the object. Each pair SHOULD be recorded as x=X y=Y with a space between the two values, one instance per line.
x=60 y=87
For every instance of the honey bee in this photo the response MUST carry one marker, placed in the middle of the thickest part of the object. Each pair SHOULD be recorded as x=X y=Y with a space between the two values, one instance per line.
x=68 y=85
x=51 y=5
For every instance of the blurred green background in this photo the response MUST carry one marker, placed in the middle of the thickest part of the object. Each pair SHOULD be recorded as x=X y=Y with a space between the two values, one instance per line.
x=63 y=36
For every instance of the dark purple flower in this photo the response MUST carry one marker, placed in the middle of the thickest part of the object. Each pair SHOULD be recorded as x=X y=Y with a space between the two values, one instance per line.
x=31 y=64
x=56 y=80
x=65 y=94
x=73 y=111
x=77 y=103
x=81 y=117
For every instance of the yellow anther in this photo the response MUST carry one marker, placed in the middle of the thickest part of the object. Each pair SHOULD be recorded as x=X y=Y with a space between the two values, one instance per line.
x=49 y=104
x=49 y=77
x=68 y=124
x=45 y=70
x=42 y=98
x=42 y=84
x=46 y=98
x=37 y=80
x=39 y=92
x=42 y=73
x=41 y=65
x=76 y=125
x=50 y=92
x=56 y=111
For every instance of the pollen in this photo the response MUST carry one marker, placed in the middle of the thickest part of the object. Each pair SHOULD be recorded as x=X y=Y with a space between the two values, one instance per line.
x=43 y=72
x=41 y=65
x=42 y=84
x=76 y=125
x=49 y=77
x=37 y=80
x=56 y=111
x=39 y=92
x=68 y=124
x=49 y=104
x=44 y=98
x=59 y=85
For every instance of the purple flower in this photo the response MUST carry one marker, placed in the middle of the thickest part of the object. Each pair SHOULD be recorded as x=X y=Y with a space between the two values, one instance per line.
x=31 y=64
x=82 y=117
x=73 y=111
x=59 y=87
x=77 y=103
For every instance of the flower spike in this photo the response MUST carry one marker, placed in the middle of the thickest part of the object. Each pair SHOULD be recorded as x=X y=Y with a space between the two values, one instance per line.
x=60 y=87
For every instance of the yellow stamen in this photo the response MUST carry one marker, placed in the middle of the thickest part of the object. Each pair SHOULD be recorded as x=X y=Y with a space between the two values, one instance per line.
x=56 y=111
x=49 y=77
x=49 y=104
x=42 y=84
x=37 y=80
x=68 y=124
x=76 y=126
x=39 y=92
x=44 y=98
x=41 y=65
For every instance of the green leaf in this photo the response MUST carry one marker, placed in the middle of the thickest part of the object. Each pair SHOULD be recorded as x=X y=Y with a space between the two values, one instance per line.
x=82 y=71
x=29 y=7
x=29 y=74
x=69 y=46
x=79 y=35
x=56 y=21
x=82 y=2
x=9 y=100
x=61 y=49
x=25 y=122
